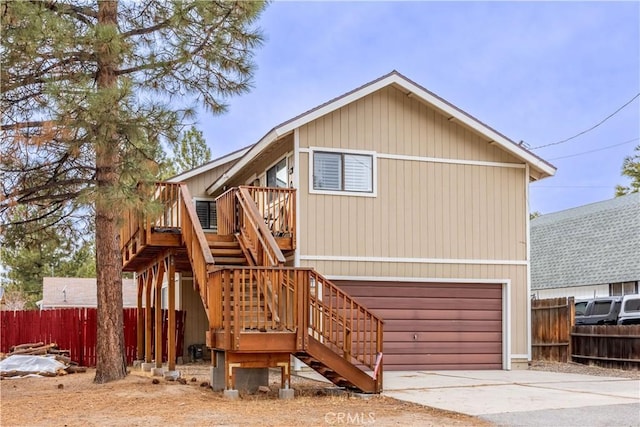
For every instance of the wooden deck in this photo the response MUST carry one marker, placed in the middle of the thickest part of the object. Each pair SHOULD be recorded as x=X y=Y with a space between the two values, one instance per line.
x=259 y=310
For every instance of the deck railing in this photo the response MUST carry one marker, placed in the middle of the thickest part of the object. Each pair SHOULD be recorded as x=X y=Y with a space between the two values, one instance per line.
x=341 y=323
x=172 y=210
x=196 y=243
x=277 y=207
x=294 y=299
x=163 y=214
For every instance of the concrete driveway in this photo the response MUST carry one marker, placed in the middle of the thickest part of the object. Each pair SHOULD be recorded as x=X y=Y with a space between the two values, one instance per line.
x=523 y=398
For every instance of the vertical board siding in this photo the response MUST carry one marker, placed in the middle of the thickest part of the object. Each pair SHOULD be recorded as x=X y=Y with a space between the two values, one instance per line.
x=425 y=210
x=198 y=184
x=198 y=321
x=458 y=214
x=73 y=329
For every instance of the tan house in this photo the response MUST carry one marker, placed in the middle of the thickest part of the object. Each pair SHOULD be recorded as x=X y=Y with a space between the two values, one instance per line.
x=80 y=292
x=384 y=206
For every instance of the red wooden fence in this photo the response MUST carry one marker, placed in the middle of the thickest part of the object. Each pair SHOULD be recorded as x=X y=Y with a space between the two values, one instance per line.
x=74 y=329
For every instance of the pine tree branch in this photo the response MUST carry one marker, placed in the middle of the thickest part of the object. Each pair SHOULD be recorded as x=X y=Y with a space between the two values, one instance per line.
x=190 y=54
x=82 y=13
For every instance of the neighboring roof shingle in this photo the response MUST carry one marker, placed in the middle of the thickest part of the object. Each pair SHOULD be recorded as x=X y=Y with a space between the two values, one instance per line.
x=593 y=244
x=60 y=292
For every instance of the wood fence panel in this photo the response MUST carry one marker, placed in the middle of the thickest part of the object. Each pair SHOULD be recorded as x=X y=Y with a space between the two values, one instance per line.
x=551 y=323
x=609 y=346
x=74 y=329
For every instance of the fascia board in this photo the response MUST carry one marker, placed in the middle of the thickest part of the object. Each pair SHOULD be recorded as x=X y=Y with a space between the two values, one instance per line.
x=249 y=154
x=475 y=125
x=208 y=166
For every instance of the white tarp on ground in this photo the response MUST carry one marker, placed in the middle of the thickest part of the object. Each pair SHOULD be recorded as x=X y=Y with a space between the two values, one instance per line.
x=26 y=364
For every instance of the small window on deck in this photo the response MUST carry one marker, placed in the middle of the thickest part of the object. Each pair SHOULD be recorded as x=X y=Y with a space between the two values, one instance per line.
x=277 y=175
x=206 y=210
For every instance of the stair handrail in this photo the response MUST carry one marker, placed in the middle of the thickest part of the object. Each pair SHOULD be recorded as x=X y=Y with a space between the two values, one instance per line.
x=263 y=234
x=371 y=335
x=196 y=242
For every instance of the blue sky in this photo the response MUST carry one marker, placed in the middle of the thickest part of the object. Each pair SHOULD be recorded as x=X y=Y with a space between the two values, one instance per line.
x=535 y=71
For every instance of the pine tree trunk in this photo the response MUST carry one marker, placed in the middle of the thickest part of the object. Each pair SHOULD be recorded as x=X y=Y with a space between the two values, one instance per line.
x=111 y=363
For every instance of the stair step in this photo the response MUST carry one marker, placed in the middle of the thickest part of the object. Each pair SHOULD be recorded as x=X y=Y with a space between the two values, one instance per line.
x=234 y=252
x=233 y=244
x=224 y=260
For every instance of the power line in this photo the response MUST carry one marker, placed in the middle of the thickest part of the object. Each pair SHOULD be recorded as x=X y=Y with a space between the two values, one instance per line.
x=591 y=128
x=571 y=186
x=597 y=149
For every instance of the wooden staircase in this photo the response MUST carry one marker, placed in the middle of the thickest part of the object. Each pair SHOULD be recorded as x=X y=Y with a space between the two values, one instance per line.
x=226 y=250
x=260 y=311
x=334 y=367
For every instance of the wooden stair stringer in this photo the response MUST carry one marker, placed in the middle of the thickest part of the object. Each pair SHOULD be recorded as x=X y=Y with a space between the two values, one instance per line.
x=335 y=368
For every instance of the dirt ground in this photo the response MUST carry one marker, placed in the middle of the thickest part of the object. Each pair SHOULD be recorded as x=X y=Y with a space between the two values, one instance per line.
x=74 y=400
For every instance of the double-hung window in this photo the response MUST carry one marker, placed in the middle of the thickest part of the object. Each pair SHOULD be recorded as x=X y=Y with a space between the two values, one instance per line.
x=345 y=172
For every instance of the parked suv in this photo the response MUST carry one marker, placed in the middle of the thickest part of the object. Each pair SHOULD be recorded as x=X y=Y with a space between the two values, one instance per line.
x=598 y=311
x=630 y=310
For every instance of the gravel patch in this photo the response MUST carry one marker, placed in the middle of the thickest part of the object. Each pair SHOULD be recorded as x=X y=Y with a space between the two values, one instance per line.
x=579 y=368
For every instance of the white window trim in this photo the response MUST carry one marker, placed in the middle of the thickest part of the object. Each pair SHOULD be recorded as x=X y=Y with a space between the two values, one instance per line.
x=374 y=162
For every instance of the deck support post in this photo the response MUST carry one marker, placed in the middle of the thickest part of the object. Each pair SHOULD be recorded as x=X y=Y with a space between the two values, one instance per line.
x=171 y=307
x=158 y=313
x=148 y=336
x=140 y=317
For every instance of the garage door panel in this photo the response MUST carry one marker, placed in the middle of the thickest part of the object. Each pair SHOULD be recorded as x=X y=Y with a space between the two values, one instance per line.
x=469 y=291
x=439 y=314
x=432 y=326
x=442 y=347
x=401 y=303
x=399 y=336
x=442 y=325
x=449 y=358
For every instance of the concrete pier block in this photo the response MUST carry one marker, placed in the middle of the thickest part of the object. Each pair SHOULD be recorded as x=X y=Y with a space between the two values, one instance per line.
x=286 y=393
x=171 y=375
x=231 y=394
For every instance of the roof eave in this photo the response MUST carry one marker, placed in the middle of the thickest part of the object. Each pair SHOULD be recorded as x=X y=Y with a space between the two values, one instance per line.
x=208 y=166
x=542 y=168
x=248 y=155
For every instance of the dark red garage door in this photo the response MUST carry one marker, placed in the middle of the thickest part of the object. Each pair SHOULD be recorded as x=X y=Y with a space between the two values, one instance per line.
x=436 y=326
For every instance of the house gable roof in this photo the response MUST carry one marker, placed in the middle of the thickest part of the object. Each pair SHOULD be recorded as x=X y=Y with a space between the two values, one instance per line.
x=588 y=245
x=210 y=165
x=411 y=88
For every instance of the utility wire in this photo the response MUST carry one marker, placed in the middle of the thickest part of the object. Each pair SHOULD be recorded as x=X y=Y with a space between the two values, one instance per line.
x=597 y=149
x=591 y=128
x=571 y=186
